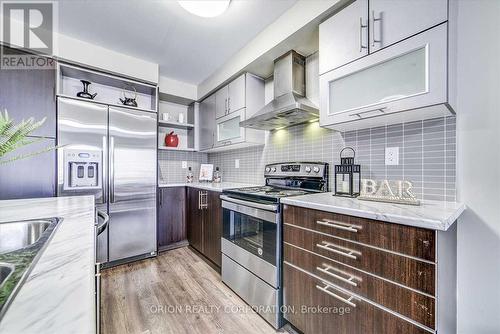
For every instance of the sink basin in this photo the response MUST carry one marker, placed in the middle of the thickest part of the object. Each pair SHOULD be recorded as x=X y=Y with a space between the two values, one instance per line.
x=20 y=234
x=21 y=244
x=5 y=271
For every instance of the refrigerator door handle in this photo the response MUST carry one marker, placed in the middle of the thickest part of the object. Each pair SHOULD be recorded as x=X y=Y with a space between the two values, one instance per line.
x=104 y=185
x=112 y=169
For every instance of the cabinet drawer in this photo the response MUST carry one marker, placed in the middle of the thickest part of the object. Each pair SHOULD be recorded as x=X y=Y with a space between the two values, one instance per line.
x=413 y=305
x=342 y=312
x=410 y=272
x=409 y=240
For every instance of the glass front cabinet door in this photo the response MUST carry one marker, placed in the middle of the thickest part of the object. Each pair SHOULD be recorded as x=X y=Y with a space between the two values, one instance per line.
x=228 y=129
x=409 y=75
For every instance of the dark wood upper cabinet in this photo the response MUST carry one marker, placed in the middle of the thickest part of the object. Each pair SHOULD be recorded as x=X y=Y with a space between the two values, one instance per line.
x=204 y=221
x=31 y=177
x=25 y=94
x=171 y=217
x=30 y=93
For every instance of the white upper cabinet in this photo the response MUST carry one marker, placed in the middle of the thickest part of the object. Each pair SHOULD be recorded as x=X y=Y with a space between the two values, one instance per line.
x=236 y=94
x=221 y=97
x=392 y=21
x=222 y=112
x=231 y=97
x=366 y=26
x=207 y=123
x=228 y=129
x=407 y=76
x=344 y=37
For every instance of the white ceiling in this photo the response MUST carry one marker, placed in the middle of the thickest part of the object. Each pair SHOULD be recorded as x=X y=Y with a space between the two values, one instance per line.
x=187 y=47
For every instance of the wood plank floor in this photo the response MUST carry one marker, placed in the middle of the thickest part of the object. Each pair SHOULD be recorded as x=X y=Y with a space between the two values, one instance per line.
x=142 y=298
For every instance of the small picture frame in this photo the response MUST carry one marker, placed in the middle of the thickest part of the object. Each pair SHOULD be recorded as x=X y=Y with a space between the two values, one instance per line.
x=206 y=172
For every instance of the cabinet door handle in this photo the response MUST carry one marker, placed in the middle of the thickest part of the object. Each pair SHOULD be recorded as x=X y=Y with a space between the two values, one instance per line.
x=342 y=299
x=228 y=104
x=338 y=250
x=361 y=27
x=339 y=225
x=327 y=269
x=382 y=110
x=204 y=197
x=225 y=106
x=373 y=28
x=199 y=200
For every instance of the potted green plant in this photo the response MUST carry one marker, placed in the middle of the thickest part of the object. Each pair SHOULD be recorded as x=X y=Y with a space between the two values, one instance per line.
x=14 y=136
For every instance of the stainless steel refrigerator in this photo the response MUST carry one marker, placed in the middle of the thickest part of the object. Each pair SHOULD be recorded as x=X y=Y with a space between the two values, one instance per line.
x=111 y=153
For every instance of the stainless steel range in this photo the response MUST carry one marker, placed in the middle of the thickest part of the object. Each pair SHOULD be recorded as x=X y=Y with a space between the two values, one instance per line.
x=251 y=238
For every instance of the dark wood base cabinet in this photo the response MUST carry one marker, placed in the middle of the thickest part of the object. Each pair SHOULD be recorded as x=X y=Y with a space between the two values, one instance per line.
x=319 y=308
x=204 y=216
x=349 y=275
x=171 y=218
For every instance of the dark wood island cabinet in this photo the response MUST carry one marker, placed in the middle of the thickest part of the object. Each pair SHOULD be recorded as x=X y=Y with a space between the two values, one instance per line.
x=370 y=276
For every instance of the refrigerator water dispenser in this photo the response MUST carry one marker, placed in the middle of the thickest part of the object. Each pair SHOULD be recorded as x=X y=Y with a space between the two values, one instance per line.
x=83 y=169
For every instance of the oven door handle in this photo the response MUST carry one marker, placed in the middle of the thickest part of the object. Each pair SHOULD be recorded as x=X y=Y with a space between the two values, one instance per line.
x=267 y=207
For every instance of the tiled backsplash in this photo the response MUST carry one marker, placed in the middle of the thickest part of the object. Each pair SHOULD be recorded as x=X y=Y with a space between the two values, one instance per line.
x=427 y=153
x=170 y=163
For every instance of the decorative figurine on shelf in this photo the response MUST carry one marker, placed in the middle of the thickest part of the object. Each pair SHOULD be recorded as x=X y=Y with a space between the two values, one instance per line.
x=171 y=140
x=347 y=175
x=127 y=100
x=85 y=93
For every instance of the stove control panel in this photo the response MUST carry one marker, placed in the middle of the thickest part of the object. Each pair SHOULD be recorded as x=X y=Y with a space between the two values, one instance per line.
x=297 y=169
x=290 y=168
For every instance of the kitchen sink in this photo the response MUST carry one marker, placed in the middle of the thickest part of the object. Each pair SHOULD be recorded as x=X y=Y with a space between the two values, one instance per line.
x=20 y=234
x=21 y=244
x=5 y=271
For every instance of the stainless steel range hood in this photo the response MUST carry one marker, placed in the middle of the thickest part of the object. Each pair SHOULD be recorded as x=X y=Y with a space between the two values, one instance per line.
x=289 y=106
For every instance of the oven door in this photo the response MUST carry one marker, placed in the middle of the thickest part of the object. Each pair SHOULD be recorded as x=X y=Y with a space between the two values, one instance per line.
x=251 y=226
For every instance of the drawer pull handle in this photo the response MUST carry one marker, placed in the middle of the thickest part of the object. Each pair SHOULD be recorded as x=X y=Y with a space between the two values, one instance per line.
x=339 y=225
x=326 y=269
x=344 y=300
x=339 y=250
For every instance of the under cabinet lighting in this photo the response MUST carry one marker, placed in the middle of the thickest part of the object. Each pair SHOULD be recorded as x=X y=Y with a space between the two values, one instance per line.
x=208 y=8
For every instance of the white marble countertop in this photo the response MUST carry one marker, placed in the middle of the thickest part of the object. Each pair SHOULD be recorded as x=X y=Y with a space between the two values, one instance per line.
x=209 y=186
x=430 y=214
x=58 y=295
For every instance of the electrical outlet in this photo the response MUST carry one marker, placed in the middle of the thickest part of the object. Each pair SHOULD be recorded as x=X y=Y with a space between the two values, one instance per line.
x=236 y=163
x=392 y=156
x=184 y=164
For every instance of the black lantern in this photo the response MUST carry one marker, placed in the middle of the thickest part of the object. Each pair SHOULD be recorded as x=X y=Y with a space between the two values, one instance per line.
x=347 y=175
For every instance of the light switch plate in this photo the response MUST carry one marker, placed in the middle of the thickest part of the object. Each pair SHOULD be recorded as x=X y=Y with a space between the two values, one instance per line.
x=392 y=156
x=236 y=163
x=184 y=164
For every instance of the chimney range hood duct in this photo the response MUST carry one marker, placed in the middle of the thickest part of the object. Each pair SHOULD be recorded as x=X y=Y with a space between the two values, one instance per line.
x=289 y=106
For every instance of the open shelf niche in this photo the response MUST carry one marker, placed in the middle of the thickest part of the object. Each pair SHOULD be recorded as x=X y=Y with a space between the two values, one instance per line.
x=169 y=117
x=109 y=87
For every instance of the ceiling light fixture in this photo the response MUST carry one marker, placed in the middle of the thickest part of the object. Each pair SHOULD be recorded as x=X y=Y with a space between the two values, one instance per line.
x=205 y=8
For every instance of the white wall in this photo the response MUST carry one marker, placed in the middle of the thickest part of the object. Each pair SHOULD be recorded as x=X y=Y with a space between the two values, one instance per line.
x=303 y=12
x=95 y=56
x=178 y=88
x=478 y=126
